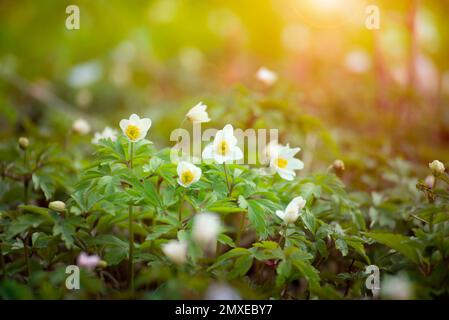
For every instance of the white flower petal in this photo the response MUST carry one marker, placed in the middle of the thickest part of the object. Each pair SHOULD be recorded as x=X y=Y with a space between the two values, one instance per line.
x=134 y=118
x=228 y=133
x=285 y=174
x=236 y=153
x=208 y=152
x=124 y=124
x=145 y=124
x=295 y=164
x=280 y=214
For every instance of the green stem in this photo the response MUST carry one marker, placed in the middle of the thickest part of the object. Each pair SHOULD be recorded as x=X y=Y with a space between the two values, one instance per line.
x=227 y=179
x=131 y=229
x=2 y=263
x=26 y=253
x=25 y=179
x=240 y=231
x=283 y=237
x=180 y=208
x=131 y=249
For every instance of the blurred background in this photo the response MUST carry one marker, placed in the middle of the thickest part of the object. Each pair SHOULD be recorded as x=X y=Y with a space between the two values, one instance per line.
x=343 y=91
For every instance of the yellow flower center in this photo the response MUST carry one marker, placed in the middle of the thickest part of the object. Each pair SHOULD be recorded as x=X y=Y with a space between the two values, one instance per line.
x=223 y=148
x=132 y=132
x=187 y=177
x=281 y=163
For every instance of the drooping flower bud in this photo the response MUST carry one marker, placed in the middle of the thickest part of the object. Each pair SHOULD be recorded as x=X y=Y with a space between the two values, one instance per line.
x=24 y=143
x=58 y=206
x=430 y=181
x=339 y=166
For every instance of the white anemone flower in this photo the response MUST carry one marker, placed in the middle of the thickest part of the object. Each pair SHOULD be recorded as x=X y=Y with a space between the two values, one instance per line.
x=176 y=251
x=134 y=128
x=224 y=148
x=81 y=126
x=107 y=133
x=198 y=114
x=188 y=173
x=205 y=229
x=284 y=163
x=292 y=212
x=266 y=76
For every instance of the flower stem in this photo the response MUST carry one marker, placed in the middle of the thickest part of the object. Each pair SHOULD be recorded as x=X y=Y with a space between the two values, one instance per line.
x=283 y=237
x=25 y=179
x=131 y=249
x=181 y=202
x=240 y=231
x=2 y=263
x=227 y=179
x=26 y=253
x=131 y=229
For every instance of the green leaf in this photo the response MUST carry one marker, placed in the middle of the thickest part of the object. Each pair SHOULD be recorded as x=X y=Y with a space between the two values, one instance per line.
x=309 y=220
x=341 y=245
x=307 y=271
x=222 y=238
x=24 y=223
x=397 y=242
x=257 y=218
x=158 y=230
x=241 y=266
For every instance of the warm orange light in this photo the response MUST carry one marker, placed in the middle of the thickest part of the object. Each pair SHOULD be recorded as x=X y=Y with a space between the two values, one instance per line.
x=328 y=13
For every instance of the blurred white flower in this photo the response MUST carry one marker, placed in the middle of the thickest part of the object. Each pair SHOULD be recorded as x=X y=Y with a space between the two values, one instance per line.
x=88 y=262
x=266 y=76
x=224 y=148
x=83 y=75
x=134 y=128
x=188 y=173
x=284 y=163
x=437 y=167
x=221 y=291
x=205 y=229
x=292 y=212
x=176 y=251
x=396 y=288
x=107 y=133
x=358 y=61
x=83 y=98
x=198 y=113
x=81 y=126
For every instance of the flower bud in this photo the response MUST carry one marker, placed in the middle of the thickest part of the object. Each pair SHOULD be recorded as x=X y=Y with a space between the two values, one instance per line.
x=58 y=206
x=176 y=251
x=437 y=167
x=88 y=262
x=102 y=264
x=81 y=126
x=24 y=143
x=430 y=181
x=339 y=165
